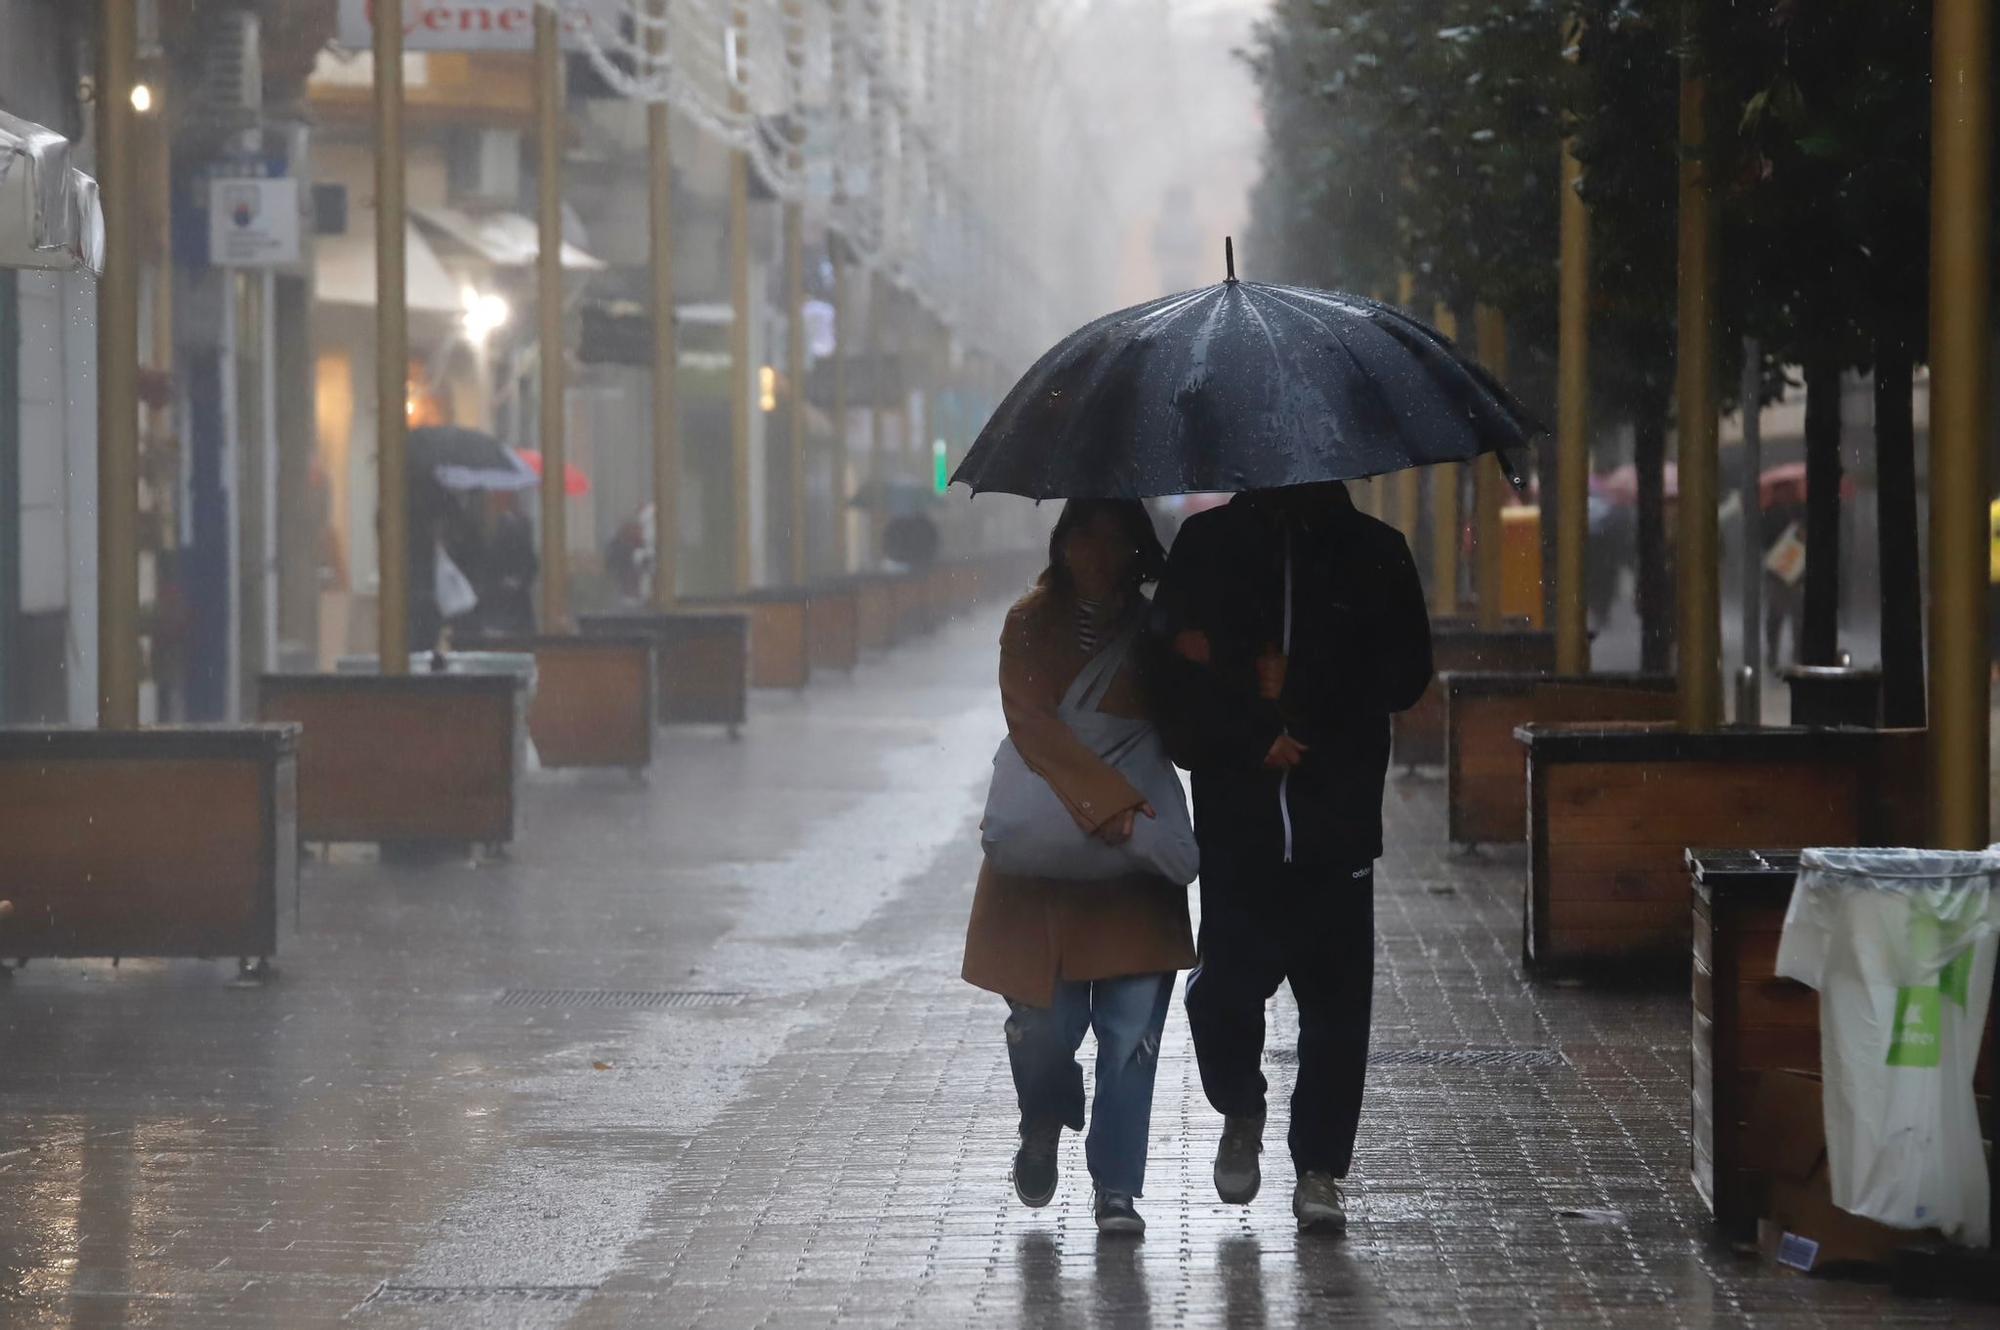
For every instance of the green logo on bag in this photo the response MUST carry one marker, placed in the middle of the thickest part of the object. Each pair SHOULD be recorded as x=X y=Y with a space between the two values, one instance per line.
x=1917 y=1040
x=1955 y=980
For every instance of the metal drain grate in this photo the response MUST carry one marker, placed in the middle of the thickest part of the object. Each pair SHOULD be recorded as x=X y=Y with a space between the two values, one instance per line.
x=435 y=1295
x=613 y=999
x=1509 y=1059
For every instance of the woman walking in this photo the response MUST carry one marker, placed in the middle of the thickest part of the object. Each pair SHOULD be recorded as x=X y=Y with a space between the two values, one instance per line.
x=1072 y=955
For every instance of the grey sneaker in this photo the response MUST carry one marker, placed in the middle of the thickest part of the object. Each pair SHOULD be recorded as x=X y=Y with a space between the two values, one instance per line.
x=1035 y=1164
x=1117 y=1215
x=1236 y=1174
x=1316 y=1204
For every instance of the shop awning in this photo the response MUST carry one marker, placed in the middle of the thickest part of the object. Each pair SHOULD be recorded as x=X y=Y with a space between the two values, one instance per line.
x=503 y=239
x=49 y=213
x=344 y=272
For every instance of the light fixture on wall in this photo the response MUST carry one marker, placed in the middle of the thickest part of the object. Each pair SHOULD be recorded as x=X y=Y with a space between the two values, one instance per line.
x=142 y=97
x=767 y=388
x=485 y=314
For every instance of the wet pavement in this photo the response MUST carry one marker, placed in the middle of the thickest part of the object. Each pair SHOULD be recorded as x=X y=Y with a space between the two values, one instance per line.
x=698 y=1055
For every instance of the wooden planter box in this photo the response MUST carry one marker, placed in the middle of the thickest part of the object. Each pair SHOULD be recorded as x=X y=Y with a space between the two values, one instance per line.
x=160 y=842
x=1613 y=810
x=875 y=610
x=594 y=699
x=1486 y=769
x=833 y=627
x=910 y=604
x=409 y=759
x=1460 y=648
x=701 y=659
x=780 y=633
x=1747 y=1021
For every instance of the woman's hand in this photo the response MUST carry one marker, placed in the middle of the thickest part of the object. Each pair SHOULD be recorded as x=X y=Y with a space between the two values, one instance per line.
x=1193 y=645
x=1120 y=828
x=1271 y=675
x=1286 y=753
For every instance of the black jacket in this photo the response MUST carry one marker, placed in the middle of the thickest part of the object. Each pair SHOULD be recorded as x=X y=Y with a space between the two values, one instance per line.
x=1360 y=649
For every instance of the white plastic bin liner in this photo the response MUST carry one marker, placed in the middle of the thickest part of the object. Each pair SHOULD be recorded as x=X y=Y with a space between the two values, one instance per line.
x=1900 y=945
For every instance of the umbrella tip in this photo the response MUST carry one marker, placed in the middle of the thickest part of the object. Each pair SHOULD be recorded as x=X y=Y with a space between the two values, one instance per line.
x=1229 y=255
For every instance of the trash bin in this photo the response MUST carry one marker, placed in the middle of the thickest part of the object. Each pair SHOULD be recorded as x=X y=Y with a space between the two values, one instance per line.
x=1827 y=695
x=1900 y=945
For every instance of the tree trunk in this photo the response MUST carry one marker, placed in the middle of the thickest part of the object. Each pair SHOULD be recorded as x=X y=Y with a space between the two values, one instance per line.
x=1896 y=530
x=1819 y=636
x=1656 y=592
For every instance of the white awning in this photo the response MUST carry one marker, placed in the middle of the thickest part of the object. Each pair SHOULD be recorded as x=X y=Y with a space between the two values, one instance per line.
x=504 y=239
x=344 y=272
x=49 y=212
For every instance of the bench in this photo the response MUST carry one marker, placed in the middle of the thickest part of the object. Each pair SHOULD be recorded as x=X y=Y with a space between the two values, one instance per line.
x=412 y=759
x=156 y=842
x=1613 y=809
x=1459 y=647
x=701 y=661
x=1486 y=769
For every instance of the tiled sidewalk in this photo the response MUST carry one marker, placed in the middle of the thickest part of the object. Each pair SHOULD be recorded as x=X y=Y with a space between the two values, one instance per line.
x=393 y=1135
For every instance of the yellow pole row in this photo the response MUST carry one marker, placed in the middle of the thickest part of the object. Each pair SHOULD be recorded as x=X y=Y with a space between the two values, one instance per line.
x=392 y=349
x=118 y=375
x=1490 y=328
x=1572 y=499
x=549 y=302
x=1961 y=345
x=1700 y=605
x=666 y=399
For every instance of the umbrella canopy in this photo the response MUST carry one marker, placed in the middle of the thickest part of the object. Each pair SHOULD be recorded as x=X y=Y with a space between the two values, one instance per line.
x=467 y=459
x=575 y=483
x=1241 y=386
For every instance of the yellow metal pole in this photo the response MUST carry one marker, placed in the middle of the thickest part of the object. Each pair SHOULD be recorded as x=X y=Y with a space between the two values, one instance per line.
x=1961 y=346
x=392 y=349
x=1572 y=500
x=842 y=554
x=549 y=300
x=1446 y=530
x=1490 y=327
x=878 y=430
x=118 y=375
x=795 y=370
x=666 y=366
x=1700 y=596
x=742 y=386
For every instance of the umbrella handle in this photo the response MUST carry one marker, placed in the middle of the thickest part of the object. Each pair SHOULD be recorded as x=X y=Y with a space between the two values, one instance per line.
x=1229 y=255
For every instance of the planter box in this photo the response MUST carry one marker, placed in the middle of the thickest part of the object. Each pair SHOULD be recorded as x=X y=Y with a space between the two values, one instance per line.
x=1461 y=648
x=910 y=605
x=160 y=842
x=833 y=627
x=701 y=659
x=1486 y=769
x=594 y=699
x=404 y=759
x=1748 y=1022
x=875 y=610
x=780 y=633
x=1613 y=810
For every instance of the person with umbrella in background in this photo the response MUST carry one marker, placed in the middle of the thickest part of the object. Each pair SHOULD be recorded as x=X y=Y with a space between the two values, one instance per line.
x=1291 y=626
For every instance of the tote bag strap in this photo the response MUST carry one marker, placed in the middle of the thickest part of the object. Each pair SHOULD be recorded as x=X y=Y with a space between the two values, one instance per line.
x=1097 y=676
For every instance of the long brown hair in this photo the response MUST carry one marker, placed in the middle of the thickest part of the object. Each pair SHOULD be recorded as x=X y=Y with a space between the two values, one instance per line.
x=1149 y=560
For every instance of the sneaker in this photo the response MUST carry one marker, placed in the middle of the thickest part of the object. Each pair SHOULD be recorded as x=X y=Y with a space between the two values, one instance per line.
x=1035 y=1164
x=1236 y=1175
x=1316 y=1204
x=1116 y=1214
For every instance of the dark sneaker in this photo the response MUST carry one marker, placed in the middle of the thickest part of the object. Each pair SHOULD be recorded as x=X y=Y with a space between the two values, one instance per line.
x=1117 y=1215
x=1035 y=1164
x=1236 y=1174
x=1316 y=1204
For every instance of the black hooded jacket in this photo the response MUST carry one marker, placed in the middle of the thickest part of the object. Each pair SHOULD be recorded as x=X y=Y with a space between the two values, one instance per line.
x=1360 y=650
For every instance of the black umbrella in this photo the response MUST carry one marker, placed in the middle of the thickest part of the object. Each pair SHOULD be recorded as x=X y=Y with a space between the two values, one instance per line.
x=467 y=459
x=1237 y=387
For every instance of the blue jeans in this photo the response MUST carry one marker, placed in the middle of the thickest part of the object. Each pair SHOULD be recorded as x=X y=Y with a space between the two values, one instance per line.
x=1128 y=1014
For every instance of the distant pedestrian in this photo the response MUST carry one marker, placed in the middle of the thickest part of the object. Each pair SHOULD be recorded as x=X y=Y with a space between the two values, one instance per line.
x=510 y=567
x=1075 y=955
x=1297 y=626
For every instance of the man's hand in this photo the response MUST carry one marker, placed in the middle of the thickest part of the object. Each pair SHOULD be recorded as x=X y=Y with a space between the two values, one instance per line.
x=1193 y=645
x=1271 y=675
x=1120 y=828
x=1286 y=753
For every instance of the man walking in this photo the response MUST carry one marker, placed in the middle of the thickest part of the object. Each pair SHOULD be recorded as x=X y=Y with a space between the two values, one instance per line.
x=1296 y=625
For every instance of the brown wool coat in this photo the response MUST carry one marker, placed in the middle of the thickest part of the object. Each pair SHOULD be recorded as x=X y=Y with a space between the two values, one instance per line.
x=1026 y=933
